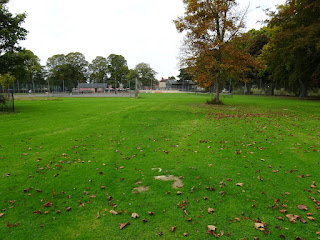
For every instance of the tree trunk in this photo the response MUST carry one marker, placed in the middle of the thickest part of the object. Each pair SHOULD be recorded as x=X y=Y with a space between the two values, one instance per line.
x=303 y=89
x=217 y=98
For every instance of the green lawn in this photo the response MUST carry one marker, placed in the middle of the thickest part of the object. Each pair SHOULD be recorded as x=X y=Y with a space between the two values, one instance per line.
x=66 y=163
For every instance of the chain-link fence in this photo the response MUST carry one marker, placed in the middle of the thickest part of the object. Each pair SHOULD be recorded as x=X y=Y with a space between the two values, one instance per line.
x=6 y=102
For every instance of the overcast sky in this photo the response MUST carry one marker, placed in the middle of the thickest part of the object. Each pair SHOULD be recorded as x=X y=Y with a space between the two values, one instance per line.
x=140 y=30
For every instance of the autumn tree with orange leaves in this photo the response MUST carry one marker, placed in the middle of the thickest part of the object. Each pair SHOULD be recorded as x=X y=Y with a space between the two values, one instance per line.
x=213 y=49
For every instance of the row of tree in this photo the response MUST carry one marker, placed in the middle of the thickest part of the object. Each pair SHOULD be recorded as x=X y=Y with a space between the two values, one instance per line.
x=286 y=53
x=61 y=70
x=68 y=70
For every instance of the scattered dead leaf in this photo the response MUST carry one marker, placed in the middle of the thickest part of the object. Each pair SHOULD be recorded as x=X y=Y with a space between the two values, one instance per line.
x=113 y=212
x=134 y=215
x=302 y=207
x=48 y=204
x=210 y=210
x=1 y=215
x=123 y=225
x=211 y=228
x=292 y=218
x=240 y=184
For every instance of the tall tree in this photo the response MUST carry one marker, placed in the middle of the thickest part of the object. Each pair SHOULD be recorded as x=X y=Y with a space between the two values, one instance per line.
x=67 y=70
x=98 y=70
x=293 y=53
x=10 y=29
x=213 y=51
x=117 y=69
x=146 y=74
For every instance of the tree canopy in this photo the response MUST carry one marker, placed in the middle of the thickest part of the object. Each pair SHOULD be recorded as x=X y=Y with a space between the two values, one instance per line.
x=293 y=53
x=10 y=29
x=146 y=74
x=213 y=51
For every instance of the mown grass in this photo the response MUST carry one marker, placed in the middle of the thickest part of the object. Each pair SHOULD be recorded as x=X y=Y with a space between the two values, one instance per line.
x=88 y=155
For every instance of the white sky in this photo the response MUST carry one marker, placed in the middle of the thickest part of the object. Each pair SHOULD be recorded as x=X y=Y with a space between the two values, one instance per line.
x=139 y=30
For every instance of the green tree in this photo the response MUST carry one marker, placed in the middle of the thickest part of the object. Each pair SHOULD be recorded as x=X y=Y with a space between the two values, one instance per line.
x=293 y=53
x=213 y=51
x=184 y=75
x=146 y=74
x=98 y=70
x=10 y=29
x=6 y=81
x=24 y=65
x=67 y=70
x=117 y=69
x=131 y=78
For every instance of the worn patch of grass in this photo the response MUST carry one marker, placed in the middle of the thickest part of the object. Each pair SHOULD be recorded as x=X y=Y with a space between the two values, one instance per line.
x=85 y=156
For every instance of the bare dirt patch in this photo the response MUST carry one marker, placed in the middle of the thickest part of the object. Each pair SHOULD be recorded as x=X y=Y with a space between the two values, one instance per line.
x=177 y=181
x=140 y=189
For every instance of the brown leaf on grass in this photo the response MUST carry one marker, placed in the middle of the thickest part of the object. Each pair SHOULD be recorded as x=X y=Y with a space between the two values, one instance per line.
x=113 y=212
x=211 y=228
x=68 y=209
x=185 y=234
x=260 y=226
x=240 y=184
x=222 y=193
x=210 y=210
x=92 y=196
x=37 y=212
x=280 y=218
x=48 y=204
x=259 y=178
x=9 y=225
x=292 y=218
x=134 y=215
x=302 y=207
x=173 y=228
x=313 y=185
x=144 y=220
x=1 y=215
x=283 y=210
x=123 y=225
x=311 y=219
x=151 y=213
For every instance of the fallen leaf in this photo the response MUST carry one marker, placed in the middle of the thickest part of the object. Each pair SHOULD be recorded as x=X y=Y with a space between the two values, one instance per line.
x=313 y=185
x=134 y=215
x=48 y=204
x=122 y=225
x=1 y=215
x=185 y=234
x=239 y=184
x=68 y=209
x=113 y=212
x=260 y=226
x=311 y=219
x=211 y=228
x=292 y=217
x=210 y=210
x=151 y=213
x=173 y=229
x=92 y=196
x=302 y=207
x=37 y=212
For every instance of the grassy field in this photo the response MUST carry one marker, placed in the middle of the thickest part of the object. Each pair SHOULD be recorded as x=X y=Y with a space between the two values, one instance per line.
x=71 y=168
